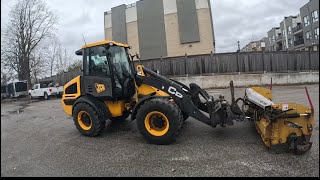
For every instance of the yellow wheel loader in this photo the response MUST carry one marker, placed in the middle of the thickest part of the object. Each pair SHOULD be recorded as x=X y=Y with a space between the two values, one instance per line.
x=111 y=88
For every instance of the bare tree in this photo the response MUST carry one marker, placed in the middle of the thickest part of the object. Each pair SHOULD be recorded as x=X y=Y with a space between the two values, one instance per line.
x=38 y=64
x=6 y=76
x=76 y=65
x=53 y=52
x=57 y=57
x=62 y=58
x=30 y=22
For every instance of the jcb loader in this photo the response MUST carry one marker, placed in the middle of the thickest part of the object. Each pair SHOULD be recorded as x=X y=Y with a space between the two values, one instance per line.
x=111 y=88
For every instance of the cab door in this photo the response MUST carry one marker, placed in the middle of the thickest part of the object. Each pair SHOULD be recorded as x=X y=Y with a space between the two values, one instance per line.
x=97 y=77
x=35 y=91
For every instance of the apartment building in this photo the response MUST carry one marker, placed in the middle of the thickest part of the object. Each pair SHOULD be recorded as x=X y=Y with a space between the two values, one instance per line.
x=162 y=28
x=310 y=25
x=287 y=37
x=296 y=33
x=266 y=43
x=256 y=46
x=273 y=37
x=298 y=38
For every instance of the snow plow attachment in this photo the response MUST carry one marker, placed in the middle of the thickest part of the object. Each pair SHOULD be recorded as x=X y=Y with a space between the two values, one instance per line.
x=284 y=127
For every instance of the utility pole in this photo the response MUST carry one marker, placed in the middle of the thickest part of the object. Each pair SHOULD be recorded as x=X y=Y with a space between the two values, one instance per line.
x=238 y=46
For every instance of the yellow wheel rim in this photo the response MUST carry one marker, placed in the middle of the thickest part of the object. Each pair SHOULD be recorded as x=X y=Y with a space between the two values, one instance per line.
x=84 y=120
x=156 y=123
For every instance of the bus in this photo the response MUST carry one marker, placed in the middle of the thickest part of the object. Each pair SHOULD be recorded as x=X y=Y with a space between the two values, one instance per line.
x=3 y=91
x=17 y=89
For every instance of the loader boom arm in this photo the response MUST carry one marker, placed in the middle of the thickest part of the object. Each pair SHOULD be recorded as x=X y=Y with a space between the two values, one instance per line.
x=180 y=95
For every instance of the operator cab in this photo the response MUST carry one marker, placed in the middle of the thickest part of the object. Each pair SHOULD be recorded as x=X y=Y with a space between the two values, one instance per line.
x=107 y=63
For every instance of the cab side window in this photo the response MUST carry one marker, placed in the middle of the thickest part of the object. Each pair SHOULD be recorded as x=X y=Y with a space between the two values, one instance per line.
x=96 y=61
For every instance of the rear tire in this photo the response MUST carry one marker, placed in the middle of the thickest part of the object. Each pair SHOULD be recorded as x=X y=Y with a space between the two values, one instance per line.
x=87 y=120
x=159 y=121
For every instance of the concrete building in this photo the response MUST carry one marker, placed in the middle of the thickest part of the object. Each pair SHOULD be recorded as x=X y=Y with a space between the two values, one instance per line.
x=285 y=40
x=296 y=33
x=310 y=25
x=256 y=46
x=266 y=43
x=273 y=38
x=162 y=28
x=298 y=39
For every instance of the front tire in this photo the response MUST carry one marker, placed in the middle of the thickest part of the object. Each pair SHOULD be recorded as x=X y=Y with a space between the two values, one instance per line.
x=159 y=121
x=30 y=96
x=87 y=120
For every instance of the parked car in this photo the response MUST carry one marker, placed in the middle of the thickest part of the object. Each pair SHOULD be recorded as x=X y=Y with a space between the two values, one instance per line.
x=44 y=90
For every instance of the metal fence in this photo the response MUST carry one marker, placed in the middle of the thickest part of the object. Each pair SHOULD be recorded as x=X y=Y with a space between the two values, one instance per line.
x=226 y=63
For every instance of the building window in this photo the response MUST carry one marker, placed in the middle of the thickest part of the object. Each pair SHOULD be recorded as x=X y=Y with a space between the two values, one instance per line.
x=308 y=35
x=314 y=16
x=270 y=40
x=289 y=29
x=273 y=38
x=306 y=21
x=283 y=32
x=316 y=33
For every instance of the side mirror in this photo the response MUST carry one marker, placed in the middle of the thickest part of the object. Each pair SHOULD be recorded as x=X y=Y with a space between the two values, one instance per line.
x=32 y=89
x=79 y=52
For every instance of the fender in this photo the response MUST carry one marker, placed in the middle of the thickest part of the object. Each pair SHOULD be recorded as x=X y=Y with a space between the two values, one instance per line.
x=142 y=101
x=99 y=106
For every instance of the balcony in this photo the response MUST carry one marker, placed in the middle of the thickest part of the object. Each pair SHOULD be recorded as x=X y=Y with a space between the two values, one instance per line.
x=297 y=28
x=298 y=42
x=278 y=38
x=279 y=48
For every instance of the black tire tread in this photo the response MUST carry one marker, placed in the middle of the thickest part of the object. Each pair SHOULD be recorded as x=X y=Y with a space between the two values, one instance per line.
x=44 y=96
x=171 y=108
x=99 y=122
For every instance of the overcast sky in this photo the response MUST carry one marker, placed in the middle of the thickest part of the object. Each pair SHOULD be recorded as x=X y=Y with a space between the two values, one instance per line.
x=233 y=20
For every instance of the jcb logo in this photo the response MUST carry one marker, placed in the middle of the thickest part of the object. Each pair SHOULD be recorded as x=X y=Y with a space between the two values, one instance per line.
x=100 y=88
x=174 y=91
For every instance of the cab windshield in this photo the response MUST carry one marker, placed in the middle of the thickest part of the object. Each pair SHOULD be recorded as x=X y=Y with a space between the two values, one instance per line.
x=119 y=58
x=100 y=61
